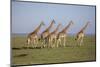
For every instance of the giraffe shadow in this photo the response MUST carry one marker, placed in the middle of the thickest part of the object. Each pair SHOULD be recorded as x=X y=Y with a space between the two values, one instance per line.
x=16 y=48
x=20 y=48
x=34 y=48
x=21 y=55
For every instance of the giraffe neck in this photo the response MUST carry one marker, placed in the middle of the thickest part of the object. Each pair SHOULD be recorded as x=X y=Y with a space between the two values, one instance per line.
x=50 y=26
x=66 y=28
x=56 y=28
x=83 y=29
x=37 y=29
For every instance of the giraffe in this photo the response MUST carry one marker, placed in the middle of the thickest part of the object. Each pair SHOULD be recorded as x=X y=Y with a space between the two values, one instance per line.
x=46 y=32
x=80 y=34
x=32 y=37
x=53 y=36
x=61 y=37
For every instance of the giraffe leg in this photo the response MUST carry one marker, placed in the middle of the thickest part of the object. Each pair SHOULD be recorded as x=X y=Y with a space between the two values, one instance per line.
x=81 y=42
x=32 y=43
x=45 y=43
x=42 y=42
x=54 y=42
x=35 y=43
x=51 y=43
x=57 y=42
x=60 y=41
x=78 y=41
x=64 y=41
x=39 y=43
x=28 y=42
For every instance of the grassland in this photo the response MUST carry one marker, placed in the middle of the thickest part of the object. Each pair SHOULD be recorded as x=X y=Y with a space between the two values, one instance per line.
x=71 y=53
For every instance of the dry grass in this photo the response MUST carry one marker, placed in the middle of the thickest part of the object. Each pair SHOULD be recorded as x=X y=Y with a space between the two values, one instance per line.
x=71 y=53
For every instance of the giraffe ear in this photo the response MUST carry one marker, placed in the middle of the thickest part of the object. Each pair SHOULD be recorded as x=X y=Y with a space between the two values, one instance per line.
x=53 y=21
x=59 y=23
x=88 y=22
x=72 y=22
x=42 y=23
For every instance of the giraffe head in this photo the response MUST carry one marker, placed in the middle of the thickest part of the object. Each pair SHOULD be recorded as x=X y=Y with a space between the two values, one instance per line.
x=53 y=21
x=59 y=24
x=71 y=22
x=42 y=23
x=88 y=22
x=58 y=27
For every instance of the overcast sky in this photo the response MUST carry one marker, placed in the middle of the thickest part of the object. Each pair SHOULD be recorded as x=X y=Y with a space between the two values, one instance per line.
x=26 y=16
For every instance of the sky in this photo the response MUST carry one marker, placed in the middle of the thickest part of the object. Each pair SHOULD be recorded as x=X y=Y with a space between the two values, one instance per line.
x=26 y=16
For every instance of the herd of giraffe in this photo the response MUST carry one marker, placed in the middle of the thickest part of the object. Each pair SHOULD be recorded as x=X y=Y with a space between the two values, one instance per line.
x=55 y=38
